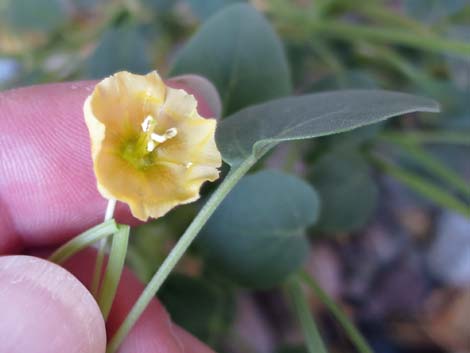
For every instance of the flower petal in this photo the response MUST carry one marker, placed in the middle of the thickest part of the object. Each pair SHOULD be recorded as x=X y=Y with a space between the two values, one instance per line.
x=152 y=181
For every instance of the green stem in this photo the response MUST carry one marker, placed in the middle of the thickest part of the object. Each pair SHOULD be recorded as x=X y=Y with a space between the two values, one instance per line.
x=422 y=186
x=390 y=35
x=178 y=251
x=356 y=337
x=95 y=282
x=82 y=241
x=325 y=53
x=386 y=15
x=312 y=336
x=437 y=168
x=397 y=62
x=117 y=257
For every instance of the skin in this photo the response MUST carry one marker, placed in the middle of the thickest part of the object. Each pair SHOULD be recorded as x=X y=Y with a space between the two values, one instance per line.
x=47 y=195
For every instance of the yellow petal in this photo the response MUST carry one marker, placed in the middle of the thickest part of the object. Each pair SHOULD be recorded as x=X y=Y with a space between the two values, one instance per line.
x=150 y=180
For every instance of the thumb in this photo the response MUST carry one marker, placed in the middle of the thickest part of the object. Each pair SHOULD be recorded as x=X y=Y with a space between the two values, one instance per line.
x=44 y=308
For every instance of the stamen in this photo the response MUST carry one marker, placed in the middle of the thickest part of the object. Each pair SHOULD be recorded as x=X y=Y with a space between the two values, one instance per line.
x=151 y=146
x=154 y=139
x=158 y=138
x=170 y=133
x=149 y=120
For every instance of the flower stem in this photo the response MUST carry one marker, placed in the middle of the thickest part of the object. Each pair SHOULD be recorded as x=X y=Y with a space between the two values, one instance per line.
x=110 y=210
x=178 y=251
x=356 y=337
x=114 y=268
x=313 y=339
x=102 y=249
x=83 y=240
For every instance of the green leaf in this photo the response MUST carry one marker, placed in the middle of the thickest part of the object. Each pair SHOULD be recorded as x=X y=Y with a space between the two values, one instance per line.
x=205 y=9
x=255 y=130
x=241 y=54
x=201 y=307
x=83 y=240
x=121 y=48
x=351 y=79
x=257 y=235
x=340 y=178
x=34 y=15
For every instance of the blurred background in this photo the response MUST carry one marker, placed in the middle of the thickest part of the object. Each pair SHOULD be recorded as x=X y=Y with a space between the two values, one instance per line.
x=388 y=238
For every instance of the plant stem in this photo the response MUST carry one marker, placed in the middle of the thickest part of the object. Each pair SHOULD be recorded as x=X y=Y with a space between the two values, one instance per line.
x=384 y=14
x=437 y=168
x=397 y=62
x=178 y=251
x=312 y=336
x=422 y=186
x=83 y=240
x=102 y=249
x=349 y=31
x=306 y=25
x=114 y=268
x=355 y=336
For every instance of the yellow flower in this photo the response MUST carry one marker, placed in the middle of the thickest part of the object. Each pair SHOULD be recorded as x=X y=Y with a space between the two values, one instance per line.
x=150 y=147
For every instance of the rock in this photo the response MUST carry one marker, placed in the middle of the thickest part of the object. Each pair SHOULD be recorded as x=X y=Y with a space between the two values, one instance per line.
x=446 y=319
x=448 y=258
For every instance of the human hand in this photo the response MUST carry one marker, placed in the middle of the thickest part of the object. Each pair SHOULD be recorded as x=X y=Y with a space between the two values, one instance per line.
x=48 y=195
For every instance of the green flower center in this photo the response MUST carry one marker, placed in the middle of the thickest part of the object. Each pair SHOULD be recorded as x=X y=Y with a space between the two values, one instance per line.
x=140 y=152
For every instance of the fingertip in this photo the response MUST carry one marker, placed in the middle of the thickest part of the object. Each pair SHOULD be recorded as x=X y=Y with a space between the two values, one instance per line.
x=46 y=309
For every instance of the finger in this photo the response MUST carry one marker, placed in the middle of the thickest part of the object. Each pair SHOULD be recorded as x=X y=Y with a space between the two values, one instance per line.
x=154 y=331
x=43 y=308
x=47 y=186
x=189 y=342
